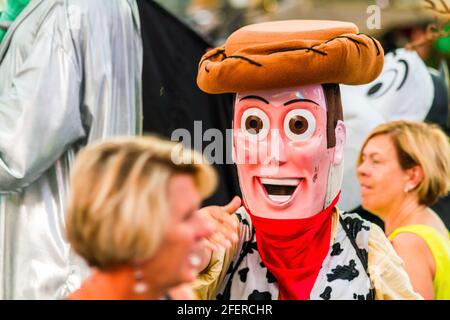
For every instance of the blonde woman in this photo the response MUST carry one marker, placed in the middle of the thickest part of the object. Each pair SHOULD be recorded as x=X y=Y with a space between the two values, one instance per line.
x=133 y=216
x=403 y=168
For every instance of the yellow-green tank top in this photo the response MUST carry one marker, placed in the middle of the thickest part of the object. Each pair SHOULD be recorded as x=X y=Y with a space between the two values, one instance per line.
x=440 y=249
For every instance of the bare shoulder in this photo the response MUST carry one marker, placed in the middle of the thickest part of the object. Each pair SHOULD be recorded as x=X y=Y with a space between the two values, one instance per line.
x=418 y=262
x=413 y=249
x=408 y=241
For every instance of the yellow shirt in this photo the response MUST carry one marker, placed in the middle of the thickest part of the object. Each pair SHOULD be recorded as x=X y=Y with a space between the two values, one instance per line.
x=390 y=280
x=440 y=249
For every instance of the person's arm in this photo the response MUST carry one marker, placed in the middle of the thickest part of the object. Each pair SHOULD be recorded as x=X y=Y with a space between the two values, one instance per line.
x=389 y=278
x=418 y=262
x=40 y=111
x=226 y=226
x=220 y=250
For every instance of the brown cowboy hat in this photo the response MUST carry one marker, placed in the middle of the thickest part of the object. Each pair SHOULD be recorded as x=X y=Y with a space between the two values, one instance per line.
x=289 y=53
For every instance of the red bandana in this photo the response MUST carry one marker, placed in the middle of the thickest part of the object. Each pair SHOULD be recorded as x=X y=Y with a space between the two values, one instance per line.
x=294 y=249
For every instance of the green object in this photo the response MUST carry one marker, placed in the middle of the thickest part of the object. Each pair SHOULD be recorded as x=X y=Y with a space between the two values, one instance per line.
x=12 y=10
x=443 y=44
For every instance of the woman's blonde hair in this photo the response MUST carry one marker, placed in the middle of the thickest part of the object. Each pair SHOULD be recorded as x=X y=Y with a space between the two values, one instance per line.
x=424 y=145
x=117 y=209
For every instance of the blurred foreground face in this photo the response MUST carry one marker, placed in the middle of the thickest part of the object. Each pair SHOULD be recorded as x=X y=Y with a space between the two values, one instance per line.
x=177 y=259
x=380 y=176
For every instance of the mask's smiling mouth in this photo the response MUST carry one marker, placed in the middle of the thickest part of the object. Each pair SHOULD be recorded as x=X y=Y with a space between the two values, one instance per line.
x=280 y=190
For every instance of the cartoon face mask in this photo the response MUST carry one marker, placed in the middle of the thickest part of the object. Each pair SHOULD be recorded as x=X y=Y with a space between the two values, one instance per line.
x=281 y=153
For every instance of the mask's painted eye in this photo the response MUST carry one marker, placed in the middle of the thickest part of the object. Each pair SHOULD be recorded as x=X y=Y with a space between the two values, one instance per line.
x=299 y=125
x=255 y=123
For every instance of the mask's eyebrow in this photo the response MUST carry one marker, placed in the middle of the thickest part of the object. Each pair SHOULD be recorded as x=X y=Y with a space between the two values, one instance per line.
x=300 y=100
x=255 y=97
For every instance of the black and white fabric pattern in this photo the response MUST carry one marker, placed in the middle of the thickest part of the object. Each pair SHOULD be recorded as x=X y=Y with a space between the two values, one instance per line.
x=343 y=275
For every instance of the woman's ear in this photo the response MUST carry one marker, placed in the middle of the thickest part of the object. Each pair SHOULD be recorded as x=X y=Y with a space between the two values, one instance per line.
x=340 y=134
x=413 y=177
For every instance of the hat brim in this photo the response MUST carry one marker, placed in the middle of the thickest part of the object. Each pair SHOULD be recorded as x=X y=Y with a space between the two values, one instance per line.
x=347 y=58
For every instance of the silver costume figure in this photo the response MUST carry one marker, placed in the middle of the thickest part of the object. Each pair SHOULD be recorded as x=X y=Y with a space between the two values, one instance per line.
x=70 y=74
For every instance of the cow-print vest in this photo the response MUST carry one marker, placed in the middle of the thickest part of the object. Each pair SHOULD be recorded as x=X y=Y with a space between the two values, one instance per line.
x=343 y=275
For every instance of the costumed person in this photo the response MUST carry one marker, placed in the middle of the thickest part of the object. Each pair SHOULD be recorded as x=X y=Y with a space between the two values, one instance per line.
x=406 y=89
x=70 y=74
x=294 y=243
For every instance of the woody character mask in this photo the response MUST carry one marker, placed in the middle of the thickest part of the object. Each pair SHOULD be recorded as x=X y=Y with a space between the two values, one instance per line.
x=285 y=152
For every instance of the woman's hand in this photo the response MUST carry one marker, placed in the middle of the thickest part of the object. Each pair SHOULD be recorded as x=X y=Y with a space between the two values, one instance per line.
x=225 y=225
